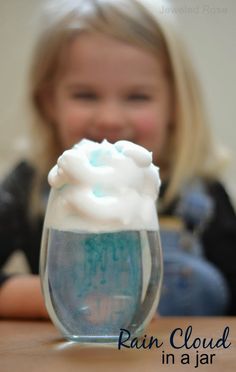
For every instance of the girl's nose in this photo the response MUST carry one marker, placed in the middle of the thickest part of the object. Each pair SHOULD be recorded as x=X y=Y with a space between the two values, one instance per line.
x=109 y=117
x=111 y=122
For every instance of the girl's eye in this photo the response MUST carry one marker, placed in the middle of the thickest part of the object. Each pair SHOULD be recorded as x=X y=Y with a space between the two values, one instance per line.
x=87 y=96
x=139 y=97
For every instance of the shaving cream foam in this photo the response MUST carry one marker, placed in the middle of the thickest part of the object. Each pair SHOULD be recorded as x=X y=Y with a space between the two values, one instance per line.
x=99 y=187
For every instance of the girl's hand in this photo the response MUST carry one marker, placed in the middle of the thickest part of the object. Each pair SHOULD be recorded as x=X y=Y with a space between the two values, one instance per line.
x=21 y=297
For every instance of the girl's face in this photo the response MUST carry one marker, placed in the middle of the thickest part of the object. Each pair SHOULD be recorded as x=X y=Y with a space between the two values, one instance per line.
x=109 y=89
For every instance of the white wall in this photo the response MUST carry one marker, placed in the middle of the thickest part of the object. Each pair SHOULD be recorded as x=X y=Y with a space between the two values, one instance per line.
x=208 y=27
x=17 y=30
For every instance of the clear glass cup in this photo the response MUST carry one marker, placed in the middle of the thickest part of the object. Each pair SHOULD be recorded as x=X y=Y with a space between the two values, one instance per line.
x=96 y=284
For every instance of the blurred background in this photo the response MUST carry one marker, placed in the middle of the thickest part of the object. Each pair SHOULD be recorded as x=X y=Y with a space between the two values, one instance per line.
x=208 y=27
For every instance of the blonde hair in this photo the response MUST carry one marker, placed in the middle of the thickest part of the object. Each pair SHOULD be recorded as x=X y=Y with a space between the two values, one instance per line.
x=139 y=22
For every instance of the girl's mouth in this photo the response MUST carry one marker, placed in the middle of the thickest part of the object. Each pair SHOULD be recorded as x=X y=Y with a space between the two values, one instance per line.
x=111 y=137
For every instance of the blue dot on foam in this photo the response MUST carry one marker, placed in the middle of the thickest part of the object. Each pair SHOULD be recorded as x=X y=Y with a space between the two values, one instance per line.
x=119 y=149
x=98 y=157
x=98 y=192
x=95 y=158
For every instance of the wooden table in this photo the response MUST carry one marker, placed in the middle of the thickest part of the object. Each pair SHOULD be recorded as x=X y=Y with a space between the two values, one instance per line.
x=28 y=346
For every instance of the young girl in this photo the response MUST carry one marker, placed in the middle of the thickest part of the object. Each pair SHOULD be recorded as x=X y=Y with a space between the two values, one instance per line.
x=117 y=70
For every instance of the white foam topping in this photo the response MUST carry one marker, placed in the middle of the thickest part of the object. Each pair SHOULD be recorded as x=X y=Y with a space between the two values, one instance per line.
x=103 y=187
